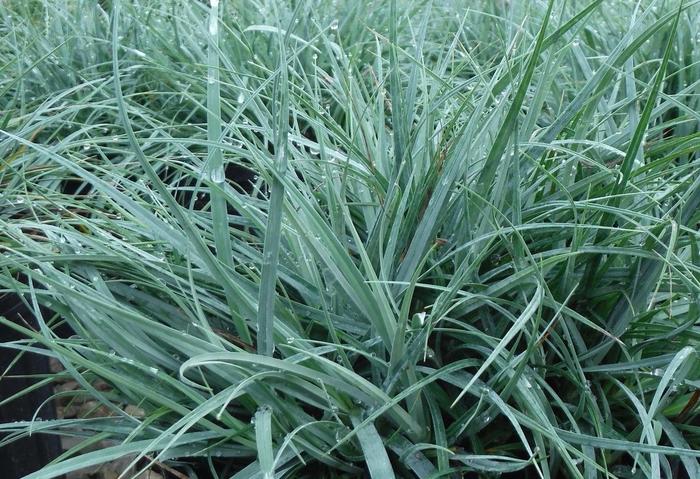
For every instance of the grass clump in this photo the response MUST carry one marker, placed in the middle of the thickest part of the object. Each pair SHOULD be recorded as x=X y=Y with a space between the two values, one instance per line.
x=395 y=239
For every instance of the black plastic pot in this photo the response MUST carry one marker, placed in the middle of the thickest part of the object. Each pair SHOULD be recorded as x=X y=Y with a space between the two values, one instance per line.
x=29 y=454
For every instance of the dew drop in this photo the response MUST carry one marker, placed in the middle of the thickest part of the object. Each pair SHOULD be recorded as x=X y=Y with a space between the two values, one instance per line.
x=217 y=174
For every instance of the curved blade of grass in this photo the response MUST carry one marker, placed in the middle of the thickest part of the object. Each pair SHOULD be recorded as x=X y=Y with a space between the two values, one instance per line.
x=515 y=329
x=185 y=445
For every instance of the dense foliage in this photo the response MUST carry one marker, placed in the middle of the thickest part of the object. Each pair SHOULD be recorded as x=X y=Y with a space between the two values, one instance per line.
x=314 y=238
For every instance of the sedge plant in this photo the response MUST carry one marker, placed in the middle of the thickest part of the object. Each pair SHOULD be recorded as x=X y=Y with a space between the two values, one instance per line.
x=344 y=239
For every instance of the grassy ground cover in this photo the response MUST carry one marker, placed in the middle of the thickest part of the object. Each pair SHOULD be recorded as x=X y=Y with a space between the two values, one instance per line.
x=320 y=238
